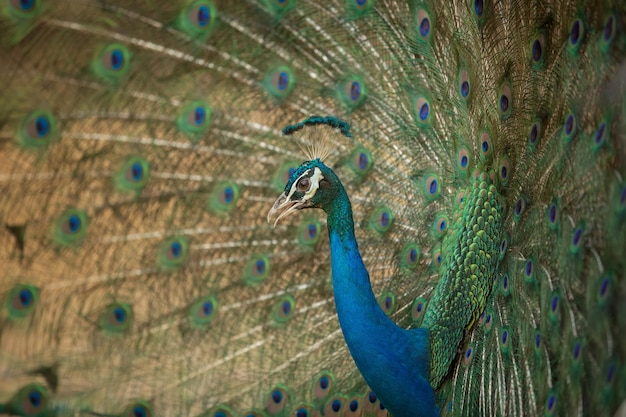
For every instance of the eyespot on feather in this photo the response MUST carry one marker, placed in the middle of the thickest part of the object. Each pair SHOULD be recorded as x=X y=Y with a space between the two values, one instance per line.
x=424 y=24
x=505 y=104
x=198 y=19
x=277 y=400
x=309 y=232
x=203 y=311
x=30 y=400
x=351 y=92
x=284 y=309
x=387 y=302
x=71 y=228
x=279 y=82
x=173 y=253
x=111 y=63
x=418 y=309
x=133 y=174
x=139 y=409
x=194 y=119
x=224 y=198
x=38 y=129
x=381 y=220
x=410 y=256
x=361 y=161
x=256 y=270
x=21 y=301
x=323 y=384
x=116 y=318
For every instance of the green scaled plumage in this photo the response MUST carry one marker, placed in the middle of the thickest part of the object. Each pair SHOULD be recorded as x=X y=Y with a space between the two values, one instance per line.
x=141 y=149
x=471 y=256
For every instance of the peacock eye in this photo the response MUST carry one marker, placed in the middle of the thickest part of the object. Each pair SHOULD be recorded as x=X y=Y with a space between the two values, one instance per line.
x=303 y=184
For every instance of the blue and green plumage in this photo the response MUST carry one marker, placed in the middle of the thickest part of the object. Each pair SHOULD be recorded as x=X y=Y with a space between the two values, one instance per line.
x=141 y=149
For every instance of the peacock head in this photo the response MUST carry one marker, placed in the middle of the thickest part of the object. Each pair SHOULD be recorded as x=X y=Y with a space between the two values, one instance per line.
x=311 y=185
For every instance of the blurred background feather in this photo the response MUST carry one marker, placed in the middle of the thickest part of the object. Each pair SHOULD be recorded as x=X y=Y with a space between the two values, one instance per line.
x=140 y=151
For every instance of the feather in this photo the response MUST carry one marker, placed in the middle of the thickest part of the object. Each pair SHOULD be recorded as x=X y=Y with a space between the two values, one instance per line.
x=141 y=146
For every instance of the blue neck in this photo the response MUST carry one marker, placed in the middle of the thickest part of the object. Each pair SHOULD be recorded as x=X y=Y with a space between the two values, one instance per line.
x=393 y=361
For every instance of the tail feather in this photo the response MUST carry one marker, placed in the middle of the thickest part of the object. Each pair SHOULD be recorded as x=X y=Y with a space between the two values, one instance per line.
x=141 y=149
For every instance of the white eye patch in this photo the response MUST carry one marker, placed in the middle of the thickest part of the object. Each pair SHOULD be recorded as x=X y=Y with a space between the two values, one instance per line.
x=313 y=187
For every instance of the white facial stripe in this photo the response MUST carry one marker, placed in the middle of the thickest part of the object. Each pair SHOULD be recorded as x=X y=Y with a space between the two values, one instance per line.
x=315 y=184
x=295 y=183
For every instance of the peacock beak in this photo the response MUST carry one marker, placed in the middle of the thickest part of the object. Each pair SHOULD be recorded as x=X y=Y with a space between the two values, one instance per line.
x=283 y=207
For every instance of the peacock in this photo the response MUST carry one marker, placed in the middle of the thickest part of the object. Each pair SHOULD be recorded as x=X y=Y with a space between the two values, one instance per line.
x=444 y=184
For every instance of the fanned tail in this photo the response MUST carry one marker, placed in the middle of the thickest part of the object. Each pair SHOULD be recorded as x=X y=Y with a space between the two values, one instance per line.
x=141 y=149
